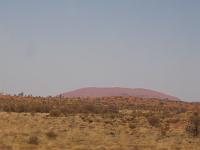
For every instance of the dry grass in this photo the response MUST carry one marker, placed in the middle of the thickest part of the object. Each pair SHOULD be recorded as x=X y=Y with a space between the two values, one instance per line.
x=131 y=127
x=24 y=131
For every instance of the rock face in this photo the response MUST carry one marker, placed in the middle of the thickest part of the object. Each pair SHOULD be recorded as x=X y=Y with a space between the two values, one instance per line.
x=117 y=91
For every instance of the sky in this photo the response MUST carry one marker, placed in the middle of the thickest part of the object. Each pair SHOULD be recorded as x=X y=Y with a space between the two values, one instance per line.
x=52 y=46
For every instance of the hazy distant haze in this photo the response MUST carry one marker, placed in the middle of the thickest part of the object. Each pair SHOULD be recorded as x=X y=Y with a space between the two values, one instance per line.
x=53 y=46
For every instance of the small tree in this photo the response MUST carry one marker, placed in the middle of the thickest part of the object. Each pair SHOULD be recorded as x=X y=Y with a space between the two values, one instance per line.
x=21 y=94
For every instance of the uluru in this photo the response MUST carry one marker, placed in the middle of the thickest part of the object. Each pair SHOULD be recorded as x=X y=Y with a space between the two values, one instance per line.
x=117 y=91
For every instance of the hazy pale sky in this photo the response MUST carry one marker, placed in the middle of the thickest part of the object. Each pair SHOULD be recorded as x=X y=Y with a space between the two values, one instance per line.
x=52 y=46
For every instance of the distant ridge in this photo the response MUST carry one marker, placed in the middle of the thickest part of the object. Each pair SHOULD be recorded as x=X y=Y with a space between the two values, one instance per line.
x=117 y=91
x=1 y=93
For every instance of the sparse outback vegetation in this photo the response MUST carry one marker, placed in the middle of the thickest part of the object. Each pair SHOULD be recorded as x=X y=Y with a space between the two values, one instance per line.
x=109 y=123
x=51 y=135
x=193 y=127
x=33 y=140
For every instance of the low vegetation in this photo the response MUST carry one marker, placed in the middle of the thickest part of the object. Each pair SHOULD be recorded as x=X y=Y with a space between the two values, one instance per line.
x=110 y=123
x=33 y=140
x=51 y=134
x=193 y=127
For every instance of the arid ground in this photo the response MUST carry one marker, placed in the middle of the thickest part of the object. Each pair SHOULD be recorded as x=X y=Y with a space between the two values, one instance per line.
x=114 y=123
